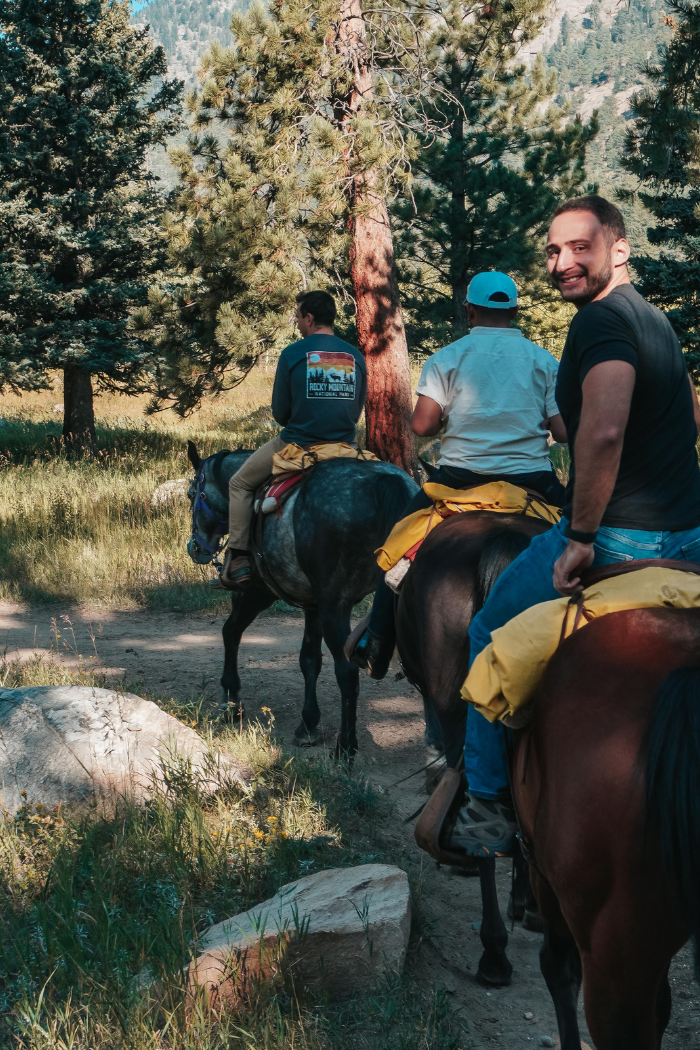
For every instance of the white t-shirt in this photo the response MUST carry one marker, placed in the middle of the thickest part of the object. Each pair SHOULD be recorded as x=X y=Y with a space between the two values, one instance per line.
x=496 y=389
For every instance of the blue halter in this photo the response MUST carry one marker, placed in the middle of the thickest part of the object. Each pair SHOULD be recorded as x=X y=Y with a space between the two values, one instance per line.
x=200 y=503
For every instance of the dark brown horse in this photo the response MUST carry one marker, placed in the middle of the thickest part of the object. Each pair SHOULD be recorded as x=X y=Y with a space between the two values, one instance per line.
x=607 y=787
x=453 y=572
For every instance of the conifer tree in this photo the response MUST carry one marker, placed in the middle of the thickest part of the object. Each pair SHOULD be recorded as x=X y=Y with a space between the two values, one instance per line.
x=662 y=151
x=278 y=187
x=495 y=157
x=79 y=236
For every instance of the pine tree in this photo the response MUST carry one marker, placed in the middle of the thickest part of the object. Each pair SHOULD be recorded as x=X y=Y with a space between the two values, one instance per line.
x=662 y=151
x=279 y=186
x=79 y=236
x=495 y=157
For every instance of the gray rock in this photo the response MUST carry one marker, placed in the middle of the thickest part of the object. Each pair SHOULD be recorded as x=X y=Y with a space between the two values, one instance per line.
x=170 y=492
x=339 y=930
x=77 y=745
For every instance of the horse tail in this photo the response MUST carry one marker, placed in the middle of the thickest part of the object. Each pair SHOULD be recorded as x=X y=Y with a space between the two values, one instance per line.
x=395 y=491
x=672 y=785
x=499 y=550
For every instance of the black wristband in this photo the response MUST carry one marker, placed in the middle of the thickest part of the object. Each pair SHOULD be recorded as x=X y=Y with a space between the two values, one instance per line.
x=580 y=537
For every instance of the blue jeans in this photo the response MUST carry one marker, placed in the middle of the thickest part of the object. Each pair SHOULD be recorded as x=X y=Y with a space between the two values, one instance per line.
x=526 y=582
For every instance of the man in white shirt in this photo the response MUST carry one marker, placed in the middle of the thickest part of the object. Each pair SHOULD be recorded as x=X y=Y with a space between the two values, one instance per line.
x=493 y=394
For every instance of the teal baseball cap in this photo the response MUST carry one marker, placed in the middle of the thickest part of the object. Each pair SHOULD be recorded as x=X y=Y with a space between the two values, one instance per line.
x=492 y=289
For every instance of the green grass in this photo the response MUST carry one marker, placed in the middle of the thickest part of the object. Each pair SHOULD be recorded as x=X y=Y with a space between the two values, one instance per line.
x=89 y=904
x=85 y=531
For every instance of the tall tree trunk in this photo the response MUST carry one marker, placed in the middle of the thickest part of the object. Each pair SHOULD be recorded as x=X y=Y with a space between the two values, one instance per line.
x=380 y=327
x=78 y=412
x=458 y=217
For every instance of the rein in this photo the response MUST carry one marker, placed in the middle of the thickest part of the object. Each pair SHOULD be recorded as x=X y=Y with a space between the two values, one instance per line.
x=220 y=523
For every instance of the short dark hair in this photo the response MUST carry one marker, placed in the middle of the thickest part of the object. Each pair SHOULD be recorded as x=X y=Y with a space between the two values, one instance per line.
x=609 y=217
x=320 y=304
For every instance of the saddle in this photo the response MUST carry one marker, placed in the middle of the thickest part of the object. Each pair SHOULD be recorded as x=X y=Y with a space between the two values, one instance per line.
x=621 y=568
x=274 y=493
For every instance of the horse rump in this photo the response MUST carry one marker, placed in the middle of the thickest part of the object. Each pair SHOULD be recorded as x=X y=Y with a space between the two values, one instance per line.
x=673 y=786
x=500 y=548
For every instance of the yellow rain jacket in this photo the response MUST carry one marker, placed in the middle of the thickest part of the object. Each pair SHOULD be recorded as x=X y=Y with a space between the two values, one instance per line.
x=505 y=676
x=293 y=457
x=499 y=496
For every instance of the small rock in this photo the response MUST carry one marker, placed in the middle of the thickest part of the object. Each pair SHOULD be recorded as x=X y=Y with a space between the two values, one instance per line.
x=528 y=1015
x=170 y=491
x=58 y=408
x=340 y=930
x=476 y=926
x=546 y=1040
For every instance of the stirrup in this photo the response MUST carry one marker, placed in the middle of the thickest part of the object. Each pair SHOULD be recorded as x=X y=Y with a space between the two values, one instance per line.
x=434 y=825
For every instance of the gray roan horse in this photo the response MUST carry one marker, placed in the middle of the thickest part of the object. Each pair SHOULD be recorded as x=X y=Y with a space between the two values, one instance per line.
x=319 y=552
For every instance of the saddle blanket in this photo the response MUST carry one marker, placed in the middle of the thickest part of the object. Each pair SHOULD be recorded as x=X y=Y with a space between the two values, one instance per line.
x=407 y=535
x=293 y=457
x=505 y=676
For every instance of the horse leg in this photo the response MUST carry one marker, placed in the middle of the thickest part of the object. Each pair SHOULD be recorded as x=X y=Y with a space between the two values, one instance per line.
x=626 y=992
x=245 y=606
x=335 y=624
x=560 y=963
x=494 y=966
x=524 y=903
x=310 y=661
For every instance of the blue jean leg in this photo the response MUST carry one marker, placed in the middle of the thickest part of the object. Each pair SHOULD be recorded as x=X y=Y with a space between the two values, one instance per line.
x=527 y=581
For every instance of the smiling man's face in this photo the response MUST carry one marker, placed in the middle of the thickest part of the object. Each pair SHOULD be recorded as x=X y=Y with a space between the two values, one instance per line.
x=582 y=258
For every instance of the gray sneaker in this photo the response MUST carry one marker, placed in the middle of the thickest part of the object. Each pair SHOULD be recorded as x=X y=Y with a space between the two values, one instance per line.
x=484 y=827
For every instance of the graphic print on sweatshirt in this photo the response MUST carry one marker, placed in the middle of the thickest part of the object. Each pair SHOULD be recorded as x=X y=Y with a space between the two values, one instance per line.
x=330 y=374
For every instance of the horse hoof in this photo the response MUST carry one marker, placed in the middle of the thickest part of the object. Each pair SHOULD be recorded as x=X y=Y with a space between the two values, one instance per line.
x=304 y=737
x=532 y=921
x=495 y=972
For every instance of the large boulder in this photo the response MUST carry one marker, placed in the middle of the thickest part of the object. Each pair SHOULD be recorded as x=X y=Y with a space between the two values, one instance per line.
x=78 y=745
x=339 y=931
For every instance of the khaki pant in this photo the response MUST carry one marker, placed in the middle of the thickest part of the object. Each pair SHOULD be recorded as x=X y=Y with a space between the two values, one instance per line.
x=241 y=492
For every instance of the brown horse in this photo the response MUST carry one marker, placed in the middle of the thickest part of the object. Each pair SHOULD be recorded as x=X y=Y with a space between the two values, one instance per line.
x=607 y=786
x=454 y=570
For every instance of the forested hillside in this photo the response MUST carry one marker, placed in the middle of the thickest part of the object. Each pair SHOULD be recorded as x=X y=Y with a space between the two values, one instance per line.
x=599 y=54
x=185 y=27
x=598 y=50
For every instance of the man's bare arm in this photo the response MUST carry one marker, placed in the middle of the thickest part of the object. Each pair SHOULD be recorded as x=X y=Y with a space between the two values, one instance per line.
x=696 y=406
x=556 y=428
x=427 y=417
x=607 y=396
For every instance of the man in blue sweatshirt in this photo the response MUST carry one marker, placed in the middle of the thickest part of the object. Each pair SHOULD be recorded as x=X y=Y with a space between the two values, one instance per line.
x=318 y=397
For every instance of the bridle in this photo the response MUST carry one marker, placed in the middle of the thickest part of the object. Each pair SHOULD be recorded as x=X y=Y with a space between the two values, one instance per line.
x=220 y=522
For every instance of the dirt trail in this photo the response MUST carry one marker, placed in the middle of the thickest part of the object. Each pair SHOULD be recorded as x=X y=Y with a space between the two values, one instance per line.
x=181 y=654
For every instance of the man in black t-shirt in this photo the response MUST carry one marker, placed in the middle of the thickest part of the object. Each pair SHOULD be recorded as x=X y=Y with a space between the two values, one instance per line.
x=318 y=397
x=632 y=416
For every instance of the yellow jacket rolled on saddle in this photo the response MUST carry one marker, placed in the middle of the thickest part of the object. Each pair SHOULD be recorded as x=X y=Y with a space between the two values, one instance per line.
x=293 y=457
x=505 y=675
x=498 y=496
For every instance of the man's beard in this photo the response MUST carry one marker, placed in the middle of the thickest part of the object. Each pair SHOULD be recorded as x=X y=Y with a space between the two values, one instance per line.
x=595 y=283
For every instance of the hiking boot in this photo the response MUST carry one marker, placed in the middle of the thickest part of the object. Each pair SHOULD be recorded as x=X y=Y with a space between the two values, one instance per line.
x=373 y=653
x=485 y=828
x=236 y=574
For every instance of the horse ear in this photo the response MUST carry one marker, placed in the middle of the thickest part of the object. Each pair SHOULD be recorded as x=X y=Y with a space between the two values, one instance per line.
x=193 y=455
x=429 y=468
